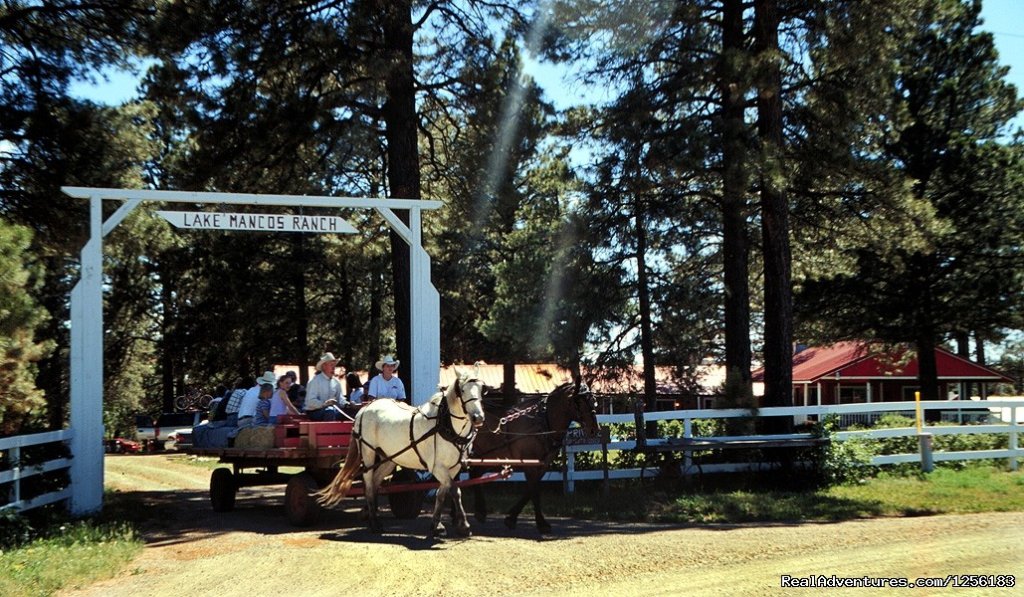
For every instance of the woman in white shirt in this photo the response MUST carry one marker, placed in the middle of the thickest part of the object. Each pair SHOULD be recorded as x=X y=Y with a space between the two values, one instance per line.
x=281 y=404
x=387 y=384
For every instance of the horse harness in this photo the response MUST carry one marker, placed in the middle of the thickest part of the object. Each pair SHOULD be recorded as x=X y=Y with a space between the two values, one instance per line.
x=556 y=436
x=517 y=413
x=444 y=428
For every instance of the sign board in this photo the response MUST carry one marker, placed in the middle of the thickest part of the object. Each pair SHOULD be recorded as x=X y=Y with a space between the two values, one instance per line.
x=211 y=220
x=577 y=437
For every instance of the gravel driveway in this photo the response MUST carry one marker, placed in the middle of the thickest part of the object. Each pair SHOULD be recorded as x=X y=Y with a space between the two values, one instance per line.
x=252 y=551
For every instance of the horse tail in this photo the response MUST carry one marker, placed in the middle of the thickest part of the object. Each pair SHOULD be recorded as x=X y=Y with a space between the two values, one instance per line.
x=337 y=490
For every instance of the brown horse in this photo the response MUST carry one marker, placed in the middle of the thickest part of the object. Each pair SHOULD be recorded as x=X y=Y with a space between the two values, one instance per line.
x=532 y=430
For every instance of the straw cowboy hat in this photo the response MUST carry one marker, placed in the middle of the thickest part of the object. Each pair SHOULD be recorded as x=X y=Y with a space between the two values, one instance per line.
x=388 y=360
x=326 y=358
x=268 y=377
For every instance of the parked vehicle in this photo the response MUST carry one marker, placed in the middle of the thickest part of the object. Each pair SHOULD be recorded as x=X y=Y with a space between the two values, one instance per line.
x=180 y=439
x=120 y=445
x=154 y=433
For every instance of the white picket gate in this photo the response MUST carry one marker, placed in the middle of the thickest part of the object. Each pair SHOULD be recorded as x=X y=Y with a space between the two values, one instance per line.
x=13 y=470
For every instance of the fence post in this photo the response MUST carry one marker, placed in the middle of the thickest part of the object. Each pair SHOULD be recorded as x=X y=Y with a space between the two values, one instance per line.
x=687 y=455
x=924 y=441
x=15 y=460
x=1013 y=437
x=605 y=436
x=570 y=470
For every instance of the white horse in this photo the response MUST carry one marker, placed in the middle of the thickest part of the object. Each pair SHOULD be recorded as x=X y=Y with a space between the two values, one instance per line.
x=434 y=437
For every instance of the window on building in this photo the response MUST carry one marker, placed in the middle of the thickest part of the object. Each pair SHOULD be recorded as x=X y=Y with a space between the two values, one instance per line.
x=853 y=394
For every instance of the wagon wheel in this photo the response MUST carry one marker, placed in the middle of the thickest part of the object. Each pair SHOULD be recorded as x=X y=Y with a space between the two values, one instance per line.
x=405 y=504
x=222 y=490
x=300 y=507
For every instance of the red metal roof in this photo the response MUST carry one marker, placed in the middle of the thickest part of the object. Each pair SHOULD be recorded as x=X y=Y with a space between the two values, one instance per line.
x=814 y=363
x=861 y=360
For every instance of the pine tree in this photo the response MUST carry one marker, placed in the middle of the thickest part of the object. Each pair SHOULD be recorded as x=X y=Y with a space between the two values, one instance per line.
x=22 y=407
x=964 y=272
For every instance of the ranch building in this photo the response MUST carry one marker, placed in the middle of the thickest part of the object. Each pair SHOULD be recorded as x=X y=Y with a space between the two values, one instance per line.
x=856 y=372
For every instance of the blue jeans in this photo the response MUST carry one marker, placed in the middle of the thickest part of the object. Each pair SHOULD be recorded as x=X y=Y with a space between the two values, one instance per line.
x=328 y=413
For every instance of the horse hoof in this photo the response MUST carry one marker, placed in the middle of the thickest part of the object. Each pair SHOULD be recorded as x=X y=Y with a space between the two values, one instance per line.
x=510 y=522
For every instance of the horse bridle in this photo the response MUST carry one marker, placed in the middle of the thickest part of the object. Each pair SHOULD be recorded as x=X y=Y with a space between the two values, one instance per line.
x=459 y=394
x=582 y=394
x=444 y=427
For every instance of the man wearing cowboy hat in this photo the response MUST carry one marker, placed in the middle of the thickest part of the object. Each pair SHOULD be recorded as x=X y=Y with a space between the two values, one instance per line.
x=323 y=393
x=247 y=409
x=387 y=384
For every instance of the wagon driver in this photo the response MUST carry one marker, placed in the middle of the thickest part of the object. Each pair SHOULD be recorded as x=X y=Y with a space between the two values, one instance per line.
x=387 y=384
x=323 y=393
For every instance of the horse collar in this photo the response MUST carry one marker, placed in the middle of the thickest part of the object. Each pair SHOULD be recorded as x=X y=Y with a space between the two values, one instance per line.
x=447 y=431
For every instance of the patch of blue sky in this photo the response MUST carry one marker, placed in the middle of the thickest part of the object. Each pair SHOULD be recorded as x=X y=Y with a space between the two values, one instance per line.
x=1005 y=20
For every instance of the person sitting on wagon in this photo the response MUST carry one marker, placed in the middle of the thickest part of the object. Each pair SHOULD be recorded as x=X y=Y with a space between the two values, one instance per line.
x=323 y=393
x=228 y=407
x=262 y=418
x=354 y=387
x=296 y=393
x=251 y=402
x=386 y=384
x=280 y=403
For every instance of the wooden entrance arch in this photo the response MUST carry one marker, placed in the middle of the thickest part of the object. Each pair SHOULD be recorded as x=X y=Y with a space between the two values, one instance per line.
x=87 y=311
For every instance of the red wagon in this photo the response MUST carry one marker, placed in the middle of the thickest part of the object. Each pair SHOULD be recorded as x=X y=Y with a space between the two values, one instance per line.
x=318 y=448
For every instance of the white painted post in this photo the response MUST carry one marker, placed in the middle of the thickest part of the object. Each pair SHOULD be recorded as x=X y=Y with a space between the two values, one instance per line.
x=425 y=335
x=425 y=310
x=1013 y=438
x=924 y=441
x=687 y=455
x=14 y=457
x=570 y=472
x=87 y=372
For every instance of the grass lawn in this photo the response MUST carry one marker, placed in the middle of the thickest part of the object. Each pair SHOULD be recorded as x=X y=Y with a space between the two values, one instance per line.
x=69 y=555
x=945 y=491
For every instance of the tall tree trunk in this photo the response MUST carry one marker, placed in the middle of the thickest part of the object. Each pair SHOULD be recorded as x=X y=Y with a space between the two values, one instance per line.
x=979 y=349
x=301 y=354
x=646 y=333
x=644 y=297
x=963 y=349
x=778 y=297
x=735 y=241
x=168 y=346
x=374 y=329
x=927 y=370
x=963 y=344
x=400 y=130
x=508 y=378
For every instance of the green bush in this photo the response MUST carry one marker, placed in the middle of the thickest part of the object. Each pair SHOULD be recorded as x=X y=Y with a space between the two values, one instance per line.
x=841 y=462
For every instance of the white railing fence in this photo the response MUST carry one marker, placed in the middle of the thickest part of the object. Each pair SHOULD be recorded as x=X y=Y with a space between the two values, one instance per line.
x=13 y=470
x=993 y=416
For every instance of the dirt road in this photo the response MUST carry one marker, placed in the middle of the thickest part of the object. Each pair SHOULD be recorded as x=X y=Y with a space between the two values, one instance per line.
x=252 y=551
